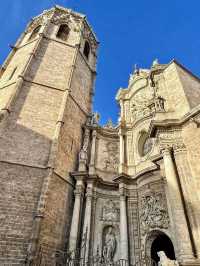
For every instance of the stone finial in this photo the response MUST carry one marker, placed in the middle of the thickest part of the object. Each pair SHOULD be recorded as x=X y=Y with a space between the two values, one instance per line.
x=96 y=117
x=136 y=69
x=109 y=124
x=155 y=62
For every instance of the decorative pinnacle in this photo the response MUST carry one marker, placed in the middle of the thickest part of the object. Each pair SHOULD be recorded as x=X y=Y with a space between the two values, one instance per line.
x=155 y=62
x=136 y=70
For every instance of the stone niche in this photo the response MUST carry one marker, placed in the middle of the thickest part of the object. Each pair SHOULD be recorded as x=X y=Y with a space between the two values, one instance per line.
x=107 y=156
x=106 y=229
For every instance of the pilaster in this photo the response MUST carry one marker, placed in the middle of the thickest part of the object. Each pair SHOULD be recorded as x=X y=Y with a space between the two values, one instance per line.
x=177 y=209
x=77 y=211
x=190 y=193
x=122 y=168
x=93 y=153
x=86 y=246
x=124 y=246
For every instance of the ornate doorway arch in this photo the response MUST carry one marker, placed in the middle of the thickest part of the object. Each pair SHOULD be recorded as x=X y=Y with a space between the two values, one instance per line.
x=159 y=241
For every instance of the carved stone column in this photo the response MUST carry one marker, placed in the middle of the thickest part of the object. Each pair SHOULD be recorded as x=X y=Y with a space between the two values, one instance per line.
x=93 y=152
x=121 y=152
x=179 y=220
x=123 y=224
x=190 y=192
x=85 y=252
x=76 y=218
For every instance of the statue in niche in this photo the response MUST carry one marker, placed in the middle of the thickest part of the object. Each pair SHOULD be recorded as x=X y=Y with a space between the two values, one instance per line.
x=165 y=261
x=93 y=119
x=159 y=103
x=154 y=212
x=109 y=246
x=110 y=212
x=83 y=157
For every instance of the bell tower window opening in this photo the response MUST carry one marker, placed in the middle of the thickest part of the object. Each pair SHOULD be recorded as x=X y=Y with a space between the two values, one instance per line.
x=63 y=32
x=34 y=33
x=86 y=50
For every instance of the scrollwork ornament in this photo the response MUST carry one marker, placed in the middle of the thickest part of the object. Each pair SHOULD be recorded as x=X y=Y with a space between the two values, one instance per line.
x=179 y=147
x=89 y=193
x=79 y=191
x=165 y=148
x=122 y=192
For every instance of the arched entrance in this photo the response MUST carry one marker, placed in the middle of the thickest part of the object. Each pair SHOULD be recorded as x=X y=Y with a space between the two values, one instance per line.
x=159 y=241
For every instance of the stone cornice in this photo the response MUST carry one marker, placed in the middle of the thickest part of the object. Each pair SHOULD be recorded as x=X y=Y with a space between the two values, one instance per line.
x=169 y=123
x=106 y=132
x=123 y=178
x=100 y=182
x=145 y=171
x=81 y=175
x=54 y=16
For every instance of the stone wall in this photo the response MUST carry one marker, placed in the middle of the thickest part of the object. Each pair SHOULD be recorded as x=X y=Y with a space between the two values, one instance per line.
x=20 y=189
x=56 y=224
x=44 y=131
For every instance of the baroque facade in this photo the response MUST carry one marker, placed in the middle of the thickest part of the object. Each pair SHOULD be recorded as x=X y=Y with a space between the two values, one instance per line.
x=74 y=192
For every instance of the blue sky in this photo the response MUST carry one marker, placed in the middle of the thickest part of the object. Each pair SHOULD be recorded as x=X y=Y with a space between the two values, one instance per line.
x=130 y=31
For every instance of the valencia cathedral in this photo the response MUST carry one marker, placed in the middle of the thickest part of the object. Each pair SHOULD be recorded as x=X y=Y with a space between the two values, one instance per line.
x=75 y=193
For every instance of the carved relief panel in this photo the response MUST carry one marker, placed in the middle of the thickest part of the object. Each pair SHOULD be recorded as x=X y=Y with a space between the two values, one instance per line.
x=153 y=212
x=110 y=212
x=107 y=156
x=145 y=103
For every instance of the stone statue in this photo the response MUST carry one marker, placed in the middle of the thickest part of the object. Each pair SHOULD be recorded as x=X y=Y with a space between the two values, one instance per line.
x=93 y=119
x=109 y=246
x=109 y=124
x=165 y=261
x=83 y=157
x=96 y=118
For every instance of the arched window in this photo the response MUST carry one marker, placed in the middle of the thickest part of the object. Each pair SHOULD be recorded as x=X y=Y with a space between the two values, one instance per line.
x=145 y=144
x=63 y=32
x=34 y=32
x=86 y=50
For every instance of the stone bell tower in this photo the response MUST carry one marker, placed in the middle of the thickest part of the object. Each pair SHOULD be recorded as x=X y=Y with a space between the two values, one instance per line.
x=46 y=88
